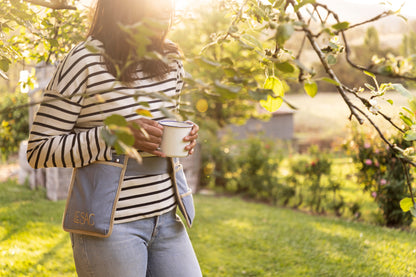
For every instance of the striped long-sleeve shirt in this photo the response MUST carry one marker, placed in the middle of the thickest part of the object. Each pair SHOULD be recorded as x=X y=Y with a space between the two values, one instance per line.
x=66 y=131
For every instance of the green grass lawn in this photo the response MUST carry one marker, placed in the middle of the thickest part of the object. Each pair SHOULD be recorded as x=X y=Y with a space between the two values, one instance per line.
x=232 y=237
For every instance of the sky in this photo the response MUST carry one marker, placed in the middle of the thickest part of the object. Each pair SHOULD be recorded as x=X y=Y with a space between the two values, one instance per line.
x=409 y=5
x=409 y=9
x=361 y=8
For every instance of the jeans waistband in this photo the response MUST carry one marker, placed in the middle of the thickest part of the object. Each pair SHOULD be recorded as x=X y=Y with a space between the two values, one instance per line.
x=150 y=165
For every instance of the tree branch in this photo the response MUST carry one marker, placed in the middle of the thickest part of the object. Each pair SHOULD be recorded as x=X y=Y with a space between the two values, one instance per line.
x=61 y=5
x=366 y=103
x=348 y=49
x=325 y=64
x=409 y=184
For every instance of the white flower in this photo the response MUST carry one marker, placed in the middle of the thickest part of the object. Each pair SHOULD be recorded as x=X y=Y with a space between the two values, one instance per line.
x=373 y=102
x=409 y=151
x=374 y=108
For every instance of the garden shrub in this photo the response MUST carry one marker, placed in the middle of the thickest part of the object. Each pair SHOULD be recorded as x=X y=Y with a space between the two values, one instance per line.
x=247 y=166
x=382 y=175
x=315 y=187
x=258 y=165
x=218 y=162
x=14 y=125
x=250 y=167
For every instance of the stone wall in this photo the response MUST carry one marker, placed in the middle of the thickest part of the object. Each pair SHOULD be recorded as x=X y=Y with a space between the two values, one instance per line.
x=280 y=126
x=55 y=180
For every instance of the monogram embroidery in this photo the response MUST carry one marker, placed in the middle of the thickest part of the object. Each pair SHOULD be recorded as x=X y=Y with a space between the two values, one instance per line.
x=83 y=218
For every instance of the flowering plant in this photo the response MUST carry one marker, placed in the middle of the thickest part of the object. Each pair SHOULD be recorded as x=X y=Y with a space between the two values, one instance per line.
x=382 y=175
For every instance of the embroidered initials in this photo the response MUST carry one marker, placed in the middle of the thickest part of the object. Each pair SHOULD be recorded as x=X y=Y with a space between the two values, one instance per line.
x=83 y=218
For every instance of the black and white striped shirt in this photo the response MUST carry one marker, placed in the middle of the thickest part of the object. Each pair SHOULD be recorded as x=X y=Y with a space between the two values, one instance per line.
x=66 y=131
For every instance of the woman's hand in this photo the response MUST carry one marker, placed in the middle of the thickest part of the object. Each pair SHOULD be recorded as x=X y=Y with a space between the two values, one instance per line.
x=193 y=135
x=147 y=135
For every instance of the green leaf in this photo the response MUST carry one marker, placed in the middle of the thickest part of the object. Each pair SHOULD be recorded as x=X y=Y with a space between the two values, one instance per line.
x=109 y=138
x=53 y=42
x=285 y=67
x=328 y=31
x=331 y=81
x=4 y=64
x=402 y=90
x=406 y=204
x=406 y=120
x=284 y=32
x=227 y=61
x=208 y=64
x=226 y=89
x=413 y=211
x=126 y=138
x=115 y=119
x=260 y=94
x=251 y=41
x=369 y=74
x=92 y=48
x=311 y=88
x=119 y=149
x=303 y=3
x=272 y=104
x=370 y=87
x=331 y=59
x=412 y=104
x=410 y=135
x=390 y=101
x=278 y=3
x=274 y=84
x=407 y=110
x=230 y=72
x=233 y=29
x=144 y=112
x=341 y=25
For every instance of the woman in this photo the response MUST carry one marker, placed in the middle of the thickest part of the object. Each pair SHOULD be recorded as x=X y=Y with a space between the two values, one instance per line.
x=145 y=237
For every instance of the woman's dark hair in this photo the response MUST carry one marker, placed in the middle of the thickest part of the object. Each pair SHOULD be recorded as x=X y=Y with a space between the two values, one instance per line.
x=105 y=27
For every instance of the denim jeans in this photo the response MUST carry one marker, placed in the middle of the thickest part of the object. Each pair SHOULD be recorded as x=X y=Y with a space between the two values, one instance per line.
x=153 y=247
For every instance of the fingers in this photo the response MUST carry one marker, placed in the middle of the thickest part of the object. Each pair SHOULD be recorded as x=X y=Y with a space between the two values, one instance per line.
x=151 y=127
x=193 y=134
x=192 y=137
x=158 y=153
x=191 y=146
x=147 y=135
x=148 y=129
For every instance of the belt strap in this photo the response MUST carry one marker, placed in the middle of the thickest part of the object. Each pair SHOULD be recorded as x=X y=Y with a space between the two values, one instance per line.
x=150 y=165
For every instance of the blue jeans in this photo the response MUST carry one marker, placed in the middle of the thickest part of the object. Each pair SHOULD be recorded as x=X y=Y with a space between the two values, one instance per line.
x=153 y=247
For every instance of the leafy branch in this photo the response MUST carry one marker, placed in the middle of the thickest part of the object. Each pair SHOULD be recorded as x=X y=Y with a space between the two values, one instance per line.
x=54 y=4
x=379 y=90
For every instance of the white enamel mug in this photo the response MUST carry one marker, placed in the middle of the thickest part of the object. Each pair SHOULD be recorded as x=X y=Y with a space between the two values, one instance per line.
x=172 y=140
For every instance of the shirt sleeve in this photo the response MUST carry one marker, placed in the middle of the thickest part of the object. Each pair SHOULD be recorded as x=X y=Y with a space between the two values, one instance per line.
x=52 y=139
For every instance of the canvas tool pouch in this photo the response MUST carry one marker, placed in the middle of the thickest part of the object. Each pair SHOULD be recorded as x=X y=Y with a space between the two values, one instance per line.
x=92 y=198
x=94 y=191
x=183 y=192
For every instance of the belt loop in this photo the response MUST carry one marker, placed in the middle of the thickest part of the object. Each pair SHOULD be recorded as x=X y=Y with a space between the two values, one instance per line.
x=154 y=233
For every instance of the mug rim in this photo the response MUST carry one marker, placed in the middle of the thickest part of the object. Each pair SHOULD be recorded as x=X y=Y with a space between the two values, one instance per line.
x=169 y=122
